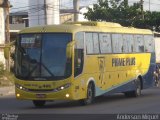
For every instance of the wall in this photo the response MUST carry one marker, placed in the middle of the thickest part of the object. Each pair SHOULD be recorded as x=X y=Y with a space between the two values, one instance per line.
x=2 y=35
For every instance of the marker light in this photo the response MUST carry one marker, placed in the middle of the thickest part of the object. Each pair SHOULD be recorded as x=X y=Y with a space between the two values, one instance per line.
x=67 y=95
x=18 y=95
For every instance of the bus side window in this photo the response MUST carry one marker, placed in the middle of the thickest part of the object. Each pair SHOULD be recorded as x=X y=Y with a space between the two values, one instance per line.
x=127 y=43
x=89 y=43
x=149 y=43
x=105 y=43
x=139 y=43
x=117 y=43
x=95 y=43
x=79 y=53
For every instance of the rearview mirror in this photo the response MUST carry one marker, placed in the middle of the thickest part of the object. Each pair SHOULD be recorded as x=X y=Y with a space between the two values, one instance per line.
x=7 y=51
x=69 y=49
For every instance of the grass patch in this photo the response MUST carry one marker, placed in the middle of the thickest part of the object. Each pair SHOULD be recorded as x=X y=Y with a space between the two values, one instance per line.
x=6 y=78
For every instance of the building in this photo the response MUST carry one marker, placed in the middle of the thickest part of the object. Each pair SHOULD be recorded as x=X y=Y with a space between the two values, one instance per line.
x=67 y=15
x=19 y=18
x=18 y=21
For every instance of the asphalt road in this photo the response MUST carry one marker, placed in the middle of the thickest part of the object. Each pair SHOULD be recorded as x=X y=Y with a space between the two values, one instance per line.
x=148 y=103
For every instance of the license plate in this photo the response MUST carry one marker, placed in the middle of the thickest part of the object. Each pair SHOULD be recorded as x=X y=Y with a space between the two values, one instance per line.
x=40 y=95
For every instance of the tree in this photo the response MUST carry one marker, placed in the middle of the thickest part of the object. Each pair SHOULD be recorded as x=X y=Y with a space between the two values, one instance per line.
x=119 y=11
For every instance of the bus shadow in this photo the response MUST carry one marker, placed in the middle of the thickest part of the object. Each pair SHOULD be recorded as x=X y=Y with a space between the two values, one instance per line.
x=74 y=104
x=119 y=97
x=70 y=104
x=104 y=99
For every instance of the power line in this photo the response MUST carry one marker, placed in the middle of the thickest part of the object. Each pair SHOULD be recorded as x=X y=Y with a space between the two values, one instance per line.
x=151 y=3
x=33 y=5
x=36 y=9
x=25 y=6
x=66 y=5
x=32 y=8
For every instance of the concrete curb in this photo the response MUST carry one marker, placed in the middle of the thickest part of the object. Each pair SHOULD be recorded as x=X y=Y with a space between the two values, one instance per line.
x=10 y=90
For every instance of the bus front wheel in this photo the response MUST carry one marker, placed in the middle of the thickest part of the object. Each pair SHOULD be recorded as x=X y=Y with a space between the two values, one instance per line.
x=39 y=103
x=90 y=95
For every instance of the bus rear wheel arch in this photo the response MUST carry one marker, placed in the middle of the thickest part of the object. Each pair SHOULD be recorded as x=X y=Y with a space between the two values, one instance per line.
x=90 y=94
x=39 y=103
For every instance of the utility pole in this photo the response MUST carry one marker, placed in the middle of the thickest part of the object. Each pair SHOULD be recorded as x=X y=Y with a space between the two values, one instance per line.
x=7 y=33
x=149 y=5
x=76 y=9
x=142 y=12
x=51 y=12
x=45 y=12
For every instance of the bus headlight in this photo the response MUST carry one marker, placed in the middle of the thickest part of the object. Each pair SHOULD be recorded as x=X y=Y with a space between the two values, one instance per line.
x=62 y=87
x=54 y=90
x=21 y=87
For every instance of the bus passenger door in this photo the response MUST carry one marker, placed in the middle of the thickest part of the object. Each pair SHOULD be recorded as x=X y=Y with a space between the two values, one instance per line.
x=79 y=79
x=101 y=62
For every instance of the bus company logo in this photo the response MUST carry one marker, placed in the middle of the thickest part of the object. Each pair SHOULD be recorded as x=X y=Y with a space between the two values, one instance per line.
x=45 y=86
x=30 y=85
x=38 y=86
x=101 y=65
x=123 y=62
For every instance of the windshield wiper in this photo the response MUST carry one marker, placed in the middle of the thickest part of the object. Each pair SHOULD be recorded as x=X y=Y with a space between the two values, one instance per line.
x=48 y=70
x=39 y=64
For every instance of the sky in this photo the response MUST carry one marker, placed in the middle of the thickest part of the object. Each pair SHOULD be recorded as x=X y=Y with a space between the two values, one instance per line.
x=22 y=4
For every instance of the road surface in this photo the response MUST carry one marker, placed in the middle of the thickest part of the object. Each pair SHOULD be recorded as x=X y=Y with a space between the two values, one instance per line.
x=149 y=102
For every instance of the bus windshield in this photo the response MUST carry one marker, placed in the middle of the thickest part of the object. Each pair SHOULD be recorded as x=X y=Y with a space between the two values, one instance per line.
x=42 y=56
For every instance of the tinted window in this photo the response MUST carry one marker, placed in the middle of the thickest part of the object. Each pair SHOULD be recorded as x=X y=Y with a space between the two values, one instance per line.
x=79 y=53
x=43 y=56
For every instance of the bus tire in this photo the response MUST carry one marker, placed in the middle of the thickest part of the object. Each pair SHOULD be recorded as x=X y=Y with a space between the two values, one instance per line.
x=137 y=91
x=39 y=103
x=157 y=82
x=90 y=95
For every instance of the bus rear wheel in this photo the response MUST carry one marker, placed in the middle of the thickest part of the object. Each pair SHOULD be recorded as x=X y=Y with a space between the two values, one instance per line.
x=136 y=92
x=39 y=103
x=157 y=81
x=90 y=95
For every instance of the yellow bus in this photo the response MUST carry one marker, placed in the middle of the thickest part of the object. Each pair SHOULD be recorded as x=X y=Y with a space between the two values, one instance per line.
x=82 y=60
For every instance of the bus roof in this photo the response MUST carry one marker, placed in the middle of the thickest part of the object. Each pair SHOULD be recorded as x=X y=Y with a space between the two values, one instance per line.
x=74 y=27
